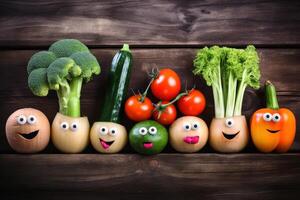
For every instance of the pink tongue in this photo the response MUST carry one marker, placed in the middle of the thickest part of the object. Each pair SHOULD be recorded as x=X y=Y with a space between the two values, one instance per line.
x=104 y=145
x=148 y=145
x=191 y=139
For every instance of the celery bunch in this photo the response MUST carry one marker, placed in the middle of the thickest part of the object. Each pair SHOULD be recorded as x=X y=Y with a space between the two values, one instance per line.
x=228 y=71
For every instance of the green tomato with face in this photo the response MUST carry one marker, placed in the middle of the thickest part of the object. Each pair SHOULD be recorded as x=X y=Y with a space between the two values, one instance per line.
x=148 y=137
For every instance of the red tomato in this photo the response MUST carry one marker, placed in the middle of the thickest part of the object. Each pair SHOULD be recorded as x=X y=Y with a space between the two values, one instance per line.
x=167 y=116
x=192 y=104
x=136 y=110
x=167 y=85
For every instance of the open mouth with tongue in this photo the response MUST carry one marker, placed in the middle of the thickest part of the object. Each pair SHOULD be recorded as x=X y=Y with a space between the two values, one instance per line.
x=191 y=139
x=148 y=145
x=106 y=144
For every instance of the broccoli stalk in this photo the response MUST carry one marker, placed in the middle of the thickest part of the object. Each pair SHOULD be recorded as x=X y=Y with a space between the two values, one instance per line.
x=64 y=68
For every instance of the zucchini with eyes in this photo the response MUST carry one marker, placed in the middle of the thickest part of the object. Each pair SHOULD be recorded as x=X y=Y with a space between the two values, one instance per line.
x=108 y=135
x=148 y=137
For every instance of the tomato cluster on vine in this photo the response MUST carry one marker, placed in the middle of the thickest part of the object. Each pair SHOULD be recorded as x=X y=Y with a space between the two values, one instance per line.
x=165 y=85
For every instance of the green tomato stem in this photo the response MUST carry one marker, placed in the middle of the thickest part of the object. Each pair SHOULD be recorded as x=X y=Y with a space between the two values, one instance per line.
x=163 y=106
x=271 y=97
x=143 y=96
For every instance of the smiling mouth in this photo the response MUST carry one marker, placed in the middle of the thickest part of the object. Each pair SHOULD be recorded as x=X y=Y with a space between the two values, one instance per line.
x=148 y=145
x=191 y=139
x=230 y=136
x=273 y=131
x=29 y=136
x=106 y=144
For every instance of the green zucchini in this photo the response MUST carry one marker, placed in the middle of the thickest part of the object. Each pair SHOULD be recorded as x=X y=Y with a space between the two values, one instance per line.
x=117 y=86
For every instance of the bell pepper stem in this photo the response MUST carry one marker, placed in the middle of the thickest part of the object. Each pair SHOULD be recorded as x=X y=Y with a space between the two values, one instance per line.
x=271 y=97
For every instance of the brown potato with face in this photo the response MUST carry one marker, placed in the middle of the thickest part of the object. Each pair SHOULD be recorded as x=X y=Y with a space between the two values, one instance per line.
x=108 y=137
x=229 y=135
x=70 y=134
x=27 y=130
x=188 y=134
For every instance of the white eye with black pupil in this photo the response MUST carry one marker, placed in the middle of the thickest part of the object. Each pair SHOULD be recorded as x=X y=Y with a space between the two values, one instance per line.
x=229 y=123
x=74 y=126
x=267 y=117
x=276 y=117
x=103 y=130
x=113 y=131
x=187 y=127
x=195 y=126
x=143 y=131
x=21 y=119
x=31 y=119
x=64 y=126
x=152 y=130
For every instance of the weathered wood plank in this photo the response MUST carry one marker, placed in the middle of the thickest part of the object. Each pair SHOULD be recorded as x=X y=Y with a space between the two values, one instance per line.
x=216 y=176
x=274 y=64
x=39 y=23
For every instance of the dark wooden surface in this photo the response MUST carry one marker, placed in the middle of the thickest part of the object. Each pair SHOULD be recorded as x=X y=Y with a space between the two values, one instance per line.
x=162 y=33
x=154 y=22
x=180 y=176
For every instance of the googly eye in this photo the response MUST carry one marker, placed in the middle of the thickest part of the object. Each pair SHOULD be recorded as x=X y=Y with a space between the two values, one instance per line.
x=195 y=126
x=187 y=127
x=21 y=119
x=103 y=130
x=143 y=131
x=229 y=123
x=276 y=117
x=74 y=126
x=64 y=126
x=31 y=119
x=152 y=130
x=113 y=131
x=267 y=117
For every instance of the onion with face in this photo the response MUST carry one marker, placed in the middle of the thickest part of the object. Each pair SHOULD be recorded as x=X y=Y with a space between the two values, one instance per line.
x=229 y=135
x=70 y=134
x=188 y=134
x=108 y=137
x=28 y=130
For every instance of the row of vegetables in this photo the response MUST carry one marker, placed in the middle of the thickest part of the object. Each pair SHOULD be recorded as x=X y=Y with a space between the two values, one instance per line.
x=68 y=64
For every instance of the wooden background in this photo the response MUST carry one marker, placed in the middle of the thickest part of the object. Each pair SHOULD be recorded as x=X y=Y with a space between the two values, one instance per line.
x=163 y=34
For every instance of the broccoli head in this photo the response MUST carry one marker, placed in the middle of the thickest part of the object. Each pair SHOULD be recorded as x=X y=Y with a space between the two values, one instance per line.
x=63 y=68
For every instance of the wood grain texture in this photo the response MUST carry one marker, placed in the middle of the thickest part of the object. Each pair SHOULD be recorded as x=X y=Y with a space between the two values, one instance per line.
x=156 y=22
x=279 y=65
x=178 y=176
